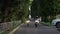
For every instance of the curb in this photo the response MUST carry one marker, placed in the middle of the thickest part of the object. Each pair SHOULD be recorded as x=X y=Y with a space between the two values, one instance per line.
x=15 y=29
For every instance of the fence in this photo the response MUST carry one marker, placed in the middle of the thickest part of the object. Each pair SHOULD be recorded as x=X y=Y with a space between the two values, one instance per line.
x=8 y=26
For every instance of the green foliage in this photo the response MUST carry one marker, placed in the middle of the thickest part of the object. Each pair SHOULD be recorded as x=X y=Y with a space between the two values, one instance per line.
x=45 y=8
x=23 y=19
x=15 y=9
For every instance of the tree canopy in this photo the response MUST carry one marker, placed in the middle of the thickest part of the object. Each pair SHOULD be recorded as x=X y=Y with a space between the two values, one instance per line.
x=11 y=10
x=45 y=8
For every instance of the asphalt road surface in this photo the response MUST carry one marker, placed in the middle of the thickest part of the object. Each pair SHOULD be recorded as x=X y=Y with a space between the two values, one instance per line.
x=41 y=29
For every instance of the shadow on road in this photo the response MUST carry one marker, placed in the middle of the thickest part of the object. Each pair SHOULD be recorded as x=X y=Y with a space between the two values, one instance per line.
x=58 y=29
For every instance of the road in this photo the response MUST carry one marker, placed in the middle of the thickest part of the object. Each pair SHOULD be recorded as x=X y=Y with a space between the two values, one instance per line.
x=41 y=29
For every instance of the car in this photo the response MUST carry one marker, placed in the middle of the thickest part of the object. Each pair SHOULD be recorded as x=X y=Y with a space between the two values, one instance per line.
x=56 y=22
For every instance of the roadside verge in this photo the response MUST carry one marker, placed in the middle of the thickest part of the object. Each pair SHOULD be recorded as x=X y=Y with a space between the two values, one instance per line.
x=15 y=29
x=46 y=24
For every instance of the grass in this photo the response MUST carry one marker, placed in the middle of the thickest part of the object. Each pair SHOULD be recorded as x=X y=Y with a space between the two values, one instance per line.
x=46 y=23
x=9 y=30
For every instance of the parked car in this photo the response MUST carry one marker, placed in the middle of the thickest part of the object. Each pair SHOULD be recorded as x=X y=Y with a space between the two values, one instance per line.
x=56 y=22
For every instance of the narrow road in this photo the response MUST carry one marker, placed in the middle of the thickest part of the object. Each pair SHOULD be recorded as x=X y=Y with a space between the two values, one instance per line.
x=41 y=29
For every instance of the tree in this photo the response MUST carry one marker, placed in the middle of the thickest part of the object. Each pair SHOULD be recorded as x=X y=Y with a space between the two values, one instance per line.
x=12 y=10
x=45 y=8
